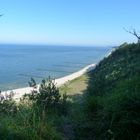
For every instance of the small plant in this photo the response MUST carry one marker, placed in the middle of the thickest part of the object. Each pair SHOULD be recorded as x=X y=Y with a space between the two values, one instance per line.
x=7 y=104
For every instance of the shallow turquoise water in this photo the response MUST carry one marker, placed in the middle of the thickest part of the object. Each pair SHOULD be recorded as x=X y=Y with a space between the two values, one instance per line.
x=18 y=63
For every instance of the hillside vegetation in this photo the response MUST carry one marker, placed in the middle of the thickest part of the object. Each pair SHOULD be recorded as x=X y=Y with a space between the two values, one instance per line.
x=101 y=105
x=112 y=104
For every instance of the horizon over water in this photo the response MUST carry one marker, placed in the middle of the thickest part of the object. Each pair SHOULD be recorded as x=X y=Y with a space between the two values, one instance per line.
x=18 y=63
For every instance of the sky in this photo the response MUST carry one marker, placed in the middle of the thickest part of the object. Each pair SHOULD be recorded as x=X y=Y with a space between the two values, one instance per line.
x=68 y=22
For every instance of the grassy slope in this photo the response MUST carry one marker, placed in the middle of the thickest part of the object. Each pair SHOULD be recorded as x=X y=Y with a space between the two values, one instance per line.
x=75 y=90
x=124 y=63
x=112 y=108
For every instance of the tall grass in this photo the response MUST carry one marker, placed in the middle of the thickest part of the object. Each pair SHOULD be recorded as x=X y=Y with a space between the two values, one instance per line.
x=34 y=117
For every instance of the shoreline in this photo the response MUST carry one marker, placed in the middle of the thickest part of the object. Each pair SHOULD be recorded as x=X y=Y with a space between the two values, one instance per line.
x=18 y=93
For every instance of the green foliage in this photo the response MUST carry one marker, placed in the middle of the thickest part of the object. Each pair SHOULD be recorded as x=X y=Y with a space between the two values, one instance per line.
x=35 y=117
x=117 y=115
x=123 y=110
x=8 y=107
x=112 y=107
x=48 y=96
x=28 y=124
x=32 y=83
x=7 y=104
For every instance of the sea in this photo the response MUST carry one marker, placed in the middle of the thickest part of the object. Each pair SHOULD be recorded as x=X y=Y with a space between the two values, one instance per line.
x=19 y=63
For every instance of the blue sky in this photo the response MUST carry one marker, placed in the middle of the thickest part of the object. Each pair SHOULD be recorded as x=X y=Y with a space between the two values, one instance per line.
x=71 y=22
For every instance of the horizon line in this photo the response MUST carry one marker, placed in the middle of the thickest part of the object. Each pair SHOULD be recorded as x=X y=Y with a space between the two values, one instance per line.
x=68 y=45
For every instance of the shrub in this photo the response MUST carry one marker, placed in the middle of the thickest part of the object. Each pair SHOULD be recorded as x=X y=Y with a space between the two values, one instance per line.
x=8 y=107
x=47 y=96
x=7 y=104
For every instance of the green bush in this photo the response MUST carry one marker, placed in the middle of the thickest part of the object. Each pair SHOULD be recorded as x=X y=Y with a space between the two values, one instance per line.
x=7 y=104
x=8 y=107
x=48 y=96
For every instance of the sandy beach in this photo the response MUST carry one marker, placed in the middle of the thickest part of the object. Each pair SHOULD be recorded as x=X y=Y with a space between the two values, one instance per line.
x=18 y=93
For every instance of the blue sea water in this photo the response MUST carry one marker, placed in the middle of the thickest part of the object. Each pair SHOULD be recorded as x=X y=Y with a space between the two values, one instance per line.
x=18 y=63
